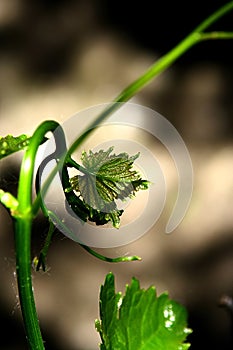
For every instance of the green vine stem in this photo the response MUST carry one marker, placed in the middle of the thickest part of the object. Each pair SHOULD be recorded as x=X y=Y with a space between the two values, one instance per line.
x=111 y=260
x=25 y=212
x=196 y=36
x=23 y=225
x=88 y=249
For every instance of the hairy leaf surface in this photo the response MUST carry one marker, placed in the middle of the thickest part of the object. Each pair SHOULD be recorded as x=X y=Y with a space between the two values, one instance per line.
x=104 y=178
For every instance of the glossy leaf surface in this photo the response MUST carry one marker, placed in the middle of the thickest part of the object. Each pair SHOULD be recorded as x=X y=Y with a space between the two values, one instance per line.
x=140 y=320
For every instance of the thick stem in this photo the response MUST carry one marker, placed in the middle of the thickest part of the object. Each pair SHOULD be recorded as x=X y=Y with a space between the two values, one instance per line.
x=23 y=270
x=23 y=226
x=27 y=166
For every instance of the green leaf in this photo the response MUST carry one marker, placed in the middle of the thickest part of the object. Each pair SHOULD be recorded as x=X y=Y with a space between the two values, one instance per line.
x=105 y=178
x=140 y=320
x=10 y=144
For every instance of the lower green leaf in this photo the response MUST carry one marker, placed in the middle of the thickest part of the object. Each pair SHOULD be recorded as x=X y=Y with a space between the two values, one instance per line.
x=140 y=320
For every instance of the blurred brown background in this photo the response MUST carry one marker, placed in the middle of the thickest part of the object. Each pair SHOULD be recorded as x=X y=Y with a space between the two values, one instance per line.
x=58 y=57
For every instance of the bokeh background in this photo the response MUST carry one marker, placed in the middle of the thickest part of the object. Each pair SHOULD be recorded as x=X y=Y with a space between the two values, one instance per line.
x=58 y=57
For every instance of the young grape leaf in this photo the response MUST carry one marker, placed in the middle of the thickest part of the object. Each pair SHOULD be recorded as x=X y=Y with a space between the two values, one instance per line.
x=140 y=320
x=105 y=178
x=10 y=144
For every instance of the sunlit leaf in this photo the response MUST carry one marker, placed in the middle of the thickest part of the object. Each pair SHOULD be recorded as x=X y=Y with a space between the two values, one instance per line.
x=140 y=320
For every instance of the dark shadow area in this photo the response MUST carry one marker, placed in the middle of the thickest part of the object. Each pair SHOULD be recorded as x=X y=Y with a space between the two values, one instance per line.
x=12 y=331
x=43 y=35
x=160 y=26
